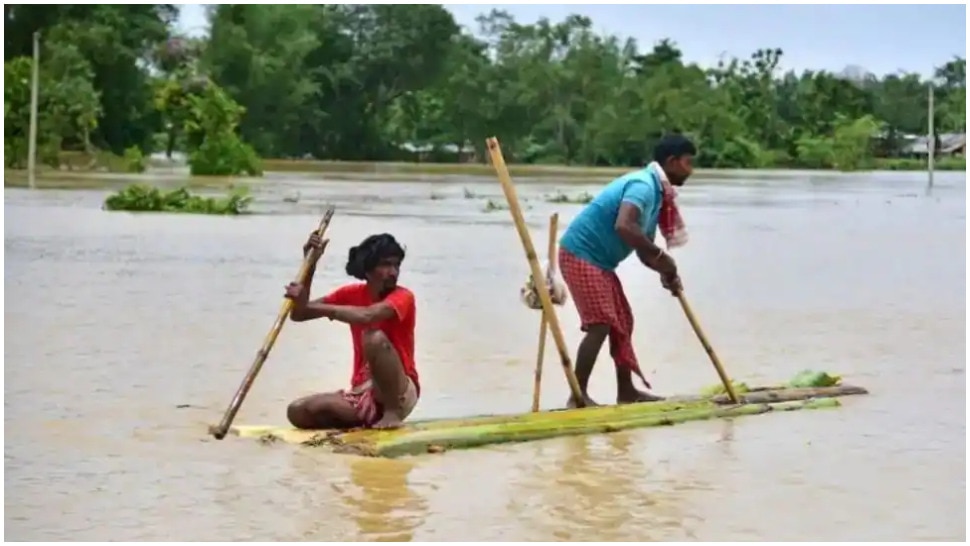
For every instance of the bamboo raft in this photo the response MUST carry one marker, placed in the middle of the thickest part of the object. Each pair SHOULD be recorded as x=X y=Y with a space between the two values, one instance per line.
x=436 y=436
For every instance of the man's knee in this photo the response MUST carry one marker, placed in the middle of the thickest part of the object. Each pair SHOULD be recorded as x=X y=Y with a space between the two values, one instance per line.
x=375 y=340
x=319 y=411
x=298 y=415
x=598 y=331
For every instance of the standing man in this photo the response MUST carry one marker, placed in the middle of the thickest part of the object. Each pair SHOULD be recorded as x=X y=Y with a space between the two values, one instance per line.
x=621 y=220
x=381 y=315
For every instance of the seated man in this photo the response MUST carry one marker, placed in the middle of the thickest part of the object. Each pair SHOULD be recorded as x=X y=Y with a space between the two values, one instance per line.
x=381 y=315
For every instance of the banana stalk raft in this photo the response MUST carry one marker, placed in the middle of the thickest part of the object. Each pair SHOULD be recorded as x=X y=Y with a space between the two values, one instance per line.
x=808 y=390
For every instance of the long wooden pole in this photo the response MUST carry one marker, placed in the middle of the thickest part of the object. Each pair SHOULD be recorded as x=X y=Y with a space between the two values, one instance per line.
x=930 y=141
x=498 y=162
x=707 y=347
x=219 y=432
x=543 y=324
x=32 y=137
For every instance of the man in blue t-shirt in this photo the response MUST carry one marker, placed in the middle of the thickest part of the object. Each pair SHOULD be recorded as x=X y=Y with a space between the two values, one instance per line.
x=621 y=220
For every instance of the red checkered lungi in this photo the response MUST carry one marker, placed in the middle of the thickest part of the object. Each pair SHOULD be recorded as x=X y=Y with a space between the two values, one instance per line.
x=600 y=299
x=369 y=409
x=363 y=400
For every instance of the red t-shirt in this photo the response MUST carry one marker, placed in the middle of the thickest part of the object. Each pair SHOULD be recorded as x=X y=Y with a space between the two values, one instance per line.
x=399 y=329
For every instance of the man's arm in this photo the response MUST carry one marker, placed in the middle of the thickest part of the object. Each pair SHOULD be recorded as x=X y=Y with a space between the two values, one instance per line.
x=303 y=309
x=299 y=312
x=351 y=314
x=638 y=198
x=306 y=310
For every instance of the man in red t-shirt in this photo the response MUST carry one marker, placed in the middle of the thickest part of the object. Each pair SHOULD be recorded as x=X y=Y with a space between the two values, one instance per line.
x=381 y=315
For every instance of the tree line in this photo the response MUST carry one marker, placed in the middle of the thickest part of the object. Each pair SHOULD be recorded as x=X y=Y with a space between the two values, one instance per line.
x=364 y=82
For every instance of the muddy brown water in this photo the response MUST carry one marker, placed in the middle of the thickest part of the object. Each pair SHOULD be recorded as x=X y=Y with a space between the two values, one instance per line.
x=114 y=320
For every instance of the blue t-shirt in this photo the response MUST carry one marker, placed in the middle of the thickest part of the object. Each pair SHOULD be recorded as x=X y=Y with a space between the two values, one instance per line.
x=592 y=234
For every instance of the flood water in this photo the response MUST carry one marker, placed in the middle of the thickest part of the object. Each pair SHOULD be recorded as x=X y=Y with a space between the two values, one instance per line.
x=115 y=322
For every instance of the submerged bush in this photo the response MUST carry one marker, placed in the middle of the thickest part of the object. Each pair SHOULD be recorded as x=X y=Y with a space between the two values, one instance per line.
x=134 y=160
x=224 y=155
x=142 y=198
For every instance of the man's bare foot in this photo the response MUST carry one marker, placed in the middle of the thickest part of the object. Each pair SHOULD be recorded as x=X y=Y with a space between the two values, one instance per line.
x=571 y=403
x=635 y=397
x=390 y=420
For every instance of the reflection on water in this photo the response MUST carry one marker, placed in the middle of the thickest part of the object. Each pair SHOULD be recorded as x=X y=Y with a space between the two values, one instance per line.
x=595 y=482
x=384 y=507
x=127 y=334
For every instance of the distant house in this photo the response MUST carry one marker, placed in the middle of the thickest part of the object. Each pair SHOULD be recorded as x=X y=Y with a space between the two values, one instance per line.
x=445 y=152
x=949 y=144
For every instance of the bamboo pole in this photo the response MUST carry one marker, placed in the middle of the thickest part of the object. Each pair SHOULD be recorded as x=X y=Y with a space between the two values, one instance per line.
x=707 y=347
x=32 y=134
x=930 y=141
x=543 y=325
x=498 y=162
x=219 y=432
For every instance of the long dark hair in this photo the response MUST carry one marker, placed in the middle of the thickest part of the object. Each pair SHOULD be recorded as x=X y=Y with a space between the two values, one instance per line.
x=365 y=256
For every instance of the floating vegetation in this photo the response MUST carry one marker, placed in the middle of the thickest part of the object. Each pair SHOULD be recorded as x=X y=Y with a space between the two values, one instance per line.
x=714 y=390
x=491 y=206
x=144 y=198
x=812 y=378
x=561 y=197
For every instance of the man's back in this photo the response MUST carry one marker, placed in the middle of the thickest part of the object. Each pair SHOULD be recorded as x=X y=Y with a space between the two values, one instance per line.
x=591 y=235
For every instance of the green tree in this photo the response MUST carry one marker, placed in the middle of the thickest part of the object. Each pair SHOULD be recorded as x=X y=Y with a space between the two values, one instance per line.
x=356 y=82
